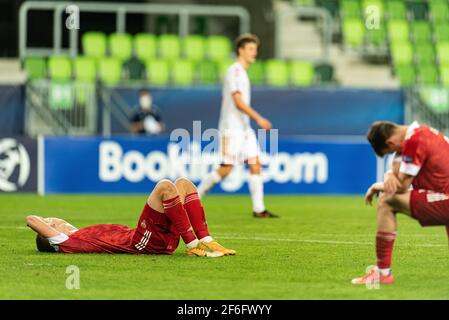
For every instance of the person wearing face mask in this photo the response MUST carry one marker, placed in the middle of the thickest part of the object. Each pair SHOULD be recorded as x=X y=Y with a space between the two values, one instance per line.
x=146 y=120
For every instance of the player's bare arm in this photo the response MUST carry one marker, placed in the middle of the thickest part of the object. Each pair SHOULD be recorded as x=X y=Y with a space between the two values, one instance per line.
x=40 y=226
x=253 y=114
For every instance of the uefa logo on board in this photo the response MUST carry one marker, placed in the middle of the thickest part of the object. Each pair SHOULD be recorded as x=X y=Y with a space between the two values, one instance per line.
x=14 y=165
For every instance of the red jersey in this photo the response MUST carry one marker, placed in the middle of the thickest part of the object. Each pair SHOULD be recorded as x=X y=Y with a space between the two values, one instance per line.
x=425 y=155
x=101 y=238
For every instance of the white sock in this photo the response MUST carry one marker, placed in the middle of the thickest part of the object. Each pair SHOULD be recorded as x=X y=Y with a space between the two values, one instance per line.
x=192 y=244
x=385 y=272
x=255 y=184
x=208 y=182
x=207 y=239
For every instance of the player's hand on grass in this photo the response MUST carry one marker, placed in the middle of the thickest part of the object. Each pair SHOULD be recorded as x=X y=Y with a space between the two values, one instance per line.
x=391 y=183
x=373 y=191
x=264 y=124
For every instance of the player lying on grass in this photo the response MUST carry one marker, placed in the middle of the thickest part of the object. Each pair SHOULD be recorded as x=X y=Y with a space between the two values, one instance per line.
x=172 y=210
x=421 y=162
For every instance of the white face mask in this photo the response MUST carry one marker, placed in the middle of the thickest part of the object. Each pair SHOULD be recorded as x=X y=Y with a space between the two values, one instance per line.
x=145 y=102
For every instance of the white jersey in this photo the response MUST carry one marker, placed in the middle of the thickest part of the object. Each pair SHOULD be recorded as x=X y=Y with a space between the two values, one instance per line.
x=231 y=118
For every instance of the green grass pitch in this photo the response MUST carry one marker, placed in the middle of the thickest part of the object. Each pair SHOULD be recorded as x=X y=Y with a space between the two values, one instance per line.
x=312 y=252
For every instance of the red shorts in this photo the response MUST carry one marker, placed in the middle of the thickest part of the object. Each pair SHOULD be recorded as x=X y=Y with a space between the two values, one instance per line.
x=430 y=208
x=155 y=233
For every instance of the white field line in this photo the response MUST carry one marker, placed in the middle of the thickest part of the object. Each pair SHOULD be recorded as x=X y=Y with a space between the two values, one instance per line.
x=336 y=242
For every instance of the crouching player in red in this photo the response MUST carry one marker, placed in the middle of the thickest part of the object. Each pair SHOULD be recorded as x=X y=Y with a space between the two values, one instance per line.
x=172 y=210
x=417 y=185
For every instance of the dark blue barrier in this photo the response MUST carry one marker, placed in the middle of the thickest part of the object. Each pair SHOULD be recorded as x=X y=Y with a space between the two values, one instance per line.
x=12 y=106
x=308 y=111
x=134 y=165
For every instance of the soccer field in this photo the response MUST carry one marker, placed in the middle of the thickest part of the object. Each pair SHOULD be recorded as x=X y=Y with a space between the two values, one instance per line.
x=312 y=252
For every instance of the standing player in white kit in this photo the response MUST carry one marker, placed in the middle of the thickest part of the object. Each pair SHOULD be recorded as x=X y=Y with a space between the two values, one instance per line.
x=238 y=139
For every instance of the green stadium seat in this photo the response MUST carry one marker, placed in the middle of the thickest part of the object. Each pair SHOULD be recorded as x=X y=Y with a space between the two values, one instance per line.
x=218 y=48
x=398 y=30
x=59 y=68
x=110 y=70
x=256 y=73
x=182 y=72
x=353 y=32
x=223 y=66
x=402 y=53
x=332 y=6
x=60 y=96
x=169 y=46
x=444 y=74
x=84 y=69
x=158 y=72
x=421 y=31
x=94 y=44
x=302 y=73
x=276 y=73
x=194 y=47
x=307 y=3
x=443 y=53
x=406 y=75
x=207 y=72
x=441 y=31
x=324 y=72
x=427 y=74
x=145 y=46
x=418 y=9
x=350 y=9
x=368 y=4
x=424 y=53
x=396 y=10
x=120 y=46
x=35 y=68
x=439 y=11
x=435 y=99
x=376 y=37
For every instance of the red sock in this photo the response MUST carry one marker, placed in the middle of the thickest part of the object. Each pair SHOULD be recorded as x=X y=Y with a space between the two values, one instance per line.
x=195 y=211
x=384 y=248
x=176 y=213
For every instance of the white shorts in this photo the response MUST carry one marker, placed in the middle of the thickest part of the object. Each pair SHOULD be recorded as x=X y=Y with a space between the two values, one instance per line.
x=238 y=146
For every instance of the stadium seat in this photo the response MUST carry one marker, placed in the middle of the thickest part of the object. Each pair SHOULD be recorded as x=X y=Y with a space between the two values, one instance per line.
x=218 y=48
x=427 y=74
x=145 y=46
x=418 y=9
x=94 y=44
x=84 y=69
x=396 y=9
x=402 y=53
x=223 y=66
x=353 y=32
x=376 y=37
x=158 y=72
x=35 y=68
x=256 y=73
x=207 y=72
x=350 y=9
x=369 y=4
x=332 y=6
x=406 y=75
x=276 y=73
x=193 y=47
x=120 y=46
x=109 y=70
x=424 y=53
x=441 y=31
x=182 y=72
x=439 y=11
x=444 y=74
x=398 y=30
x=169 y=46
x=443 y=53
x=59 y=68
x=60 y=96
x=421 y=31
x=324 y=72
x=302 y=73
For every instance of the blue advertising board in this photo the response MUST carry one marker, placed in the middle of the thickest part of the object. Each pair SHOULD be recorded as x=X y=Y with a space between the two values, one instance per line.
x=134 y=165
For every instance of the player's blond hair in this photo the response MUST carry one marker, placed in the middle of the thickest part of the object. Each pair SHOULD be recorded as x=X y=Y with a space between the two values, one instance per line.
x=245 y=38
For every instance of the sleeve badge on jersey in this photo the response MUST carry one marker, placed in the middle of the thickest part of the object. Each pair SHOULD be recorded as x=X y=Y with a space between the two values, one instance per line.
x=407 y=159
